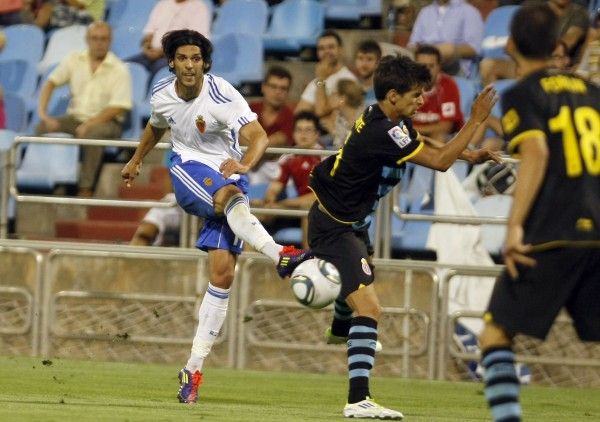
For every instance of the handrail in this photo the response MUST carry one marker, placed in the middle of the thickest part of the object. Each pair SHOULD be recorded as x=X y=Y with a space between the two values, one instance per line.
x=9 y=188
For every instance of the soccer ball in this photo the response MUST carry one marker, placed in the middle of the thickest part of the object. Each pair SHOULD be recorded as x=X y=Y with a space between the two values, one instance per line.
x=316 y=283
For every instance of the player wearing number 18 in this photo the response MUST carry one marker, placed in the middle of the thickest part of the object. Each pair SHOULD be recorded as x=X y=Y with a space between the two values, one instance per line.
x=552 y=248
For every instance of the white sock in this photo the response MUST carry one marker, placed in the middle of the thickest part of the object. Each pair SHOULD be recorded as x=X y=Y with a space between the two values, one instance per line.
x=210 y=320
x=247 y=227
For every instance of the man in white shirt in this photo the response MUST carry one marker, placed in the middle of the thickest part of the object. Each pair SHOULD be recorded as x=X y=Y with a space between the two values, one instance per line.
x=208 y=118
x=101 y=93
x=322 y=91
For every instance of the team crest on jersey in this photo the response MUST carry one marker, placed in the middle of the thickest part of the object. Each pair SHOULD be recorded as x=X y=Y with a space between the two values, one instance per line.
x=448 y=109
x=207 y=181
x=365 y=266
x=400 y=135
x=200 y=124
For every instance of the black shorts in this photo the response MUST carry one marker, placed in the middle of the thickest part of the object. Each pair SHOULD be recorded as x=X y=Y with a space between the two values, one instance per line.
x=567 y=278
x=347 y=248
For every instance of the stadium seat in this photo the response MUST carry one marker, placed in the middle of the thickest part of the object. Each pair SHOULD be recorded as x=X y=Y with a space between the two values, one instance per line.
x=57 y=106
x=495 y=32
x=130 y=13
x=127 y=41
x=501 y=85
x=238 y=58
x=16 y=112
x=295 y=24
x=40 y=173
x=144 y=108
x=468 y=92
x=351 y=10
x=257 y=190
x=493 y=234
x=18 y=76
x=241 y=16
x=25 y=42
x=7 y=137
x=62 y=42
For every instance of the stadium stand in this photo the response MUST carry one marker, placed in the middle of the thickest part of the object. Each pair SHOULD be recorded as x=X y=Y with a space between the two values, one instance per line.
x=24 y=42
x=238 y=58
x=62 y=42
x=126 y=41
x=129 y=13
x=496 y=31
x=241 y=16
x=18 y=76
x=16 y=112
x=38 y=172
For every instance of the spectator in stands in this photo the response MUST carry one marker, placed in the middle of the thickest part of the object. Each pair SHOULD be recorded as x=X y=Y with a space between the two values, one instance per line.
x=2 y=111
x=440 y=115
x=100 y=87
x=10 y=12
x=55 y=14
x=328 y=71
x=456 y=28
x=589 y=67
x=169 y=15
x=350 y=103
x=160 y=226
x=366 y=59
x=574 y=22
x=560 y=56
x=276 y=117
x=297 y=168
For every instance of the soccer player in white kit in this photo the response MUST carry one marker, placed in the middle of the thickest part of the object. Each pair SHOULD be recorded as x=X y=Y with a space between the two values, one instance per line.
x=208 y=118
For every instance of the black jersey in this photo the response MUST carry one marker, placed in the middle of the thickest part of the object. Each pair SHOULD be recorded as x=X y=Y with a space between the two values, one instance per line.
x=564 y=109
x=349 y=184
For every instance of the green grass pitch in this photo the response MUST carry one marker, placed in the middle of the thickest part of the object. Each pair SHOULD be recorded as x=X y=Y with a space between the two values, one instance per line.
x=68 y=390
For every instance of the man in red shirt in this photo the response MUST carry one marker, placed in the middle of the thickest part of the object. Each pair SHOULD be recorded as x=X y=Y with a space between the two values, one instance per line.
x=276 y=117
x=440 y=115
x=297 y=167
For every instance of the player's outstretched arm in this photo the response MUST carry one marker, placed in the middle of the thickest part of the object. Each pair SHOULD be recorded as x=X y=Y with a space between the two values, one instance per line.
x=443 y=157
x=149 y=139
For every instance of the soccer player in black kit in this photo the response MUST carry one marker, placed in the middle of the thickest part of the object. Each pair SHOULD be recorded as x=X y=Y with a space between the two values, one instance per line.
x=551 y=119
x=348 y=187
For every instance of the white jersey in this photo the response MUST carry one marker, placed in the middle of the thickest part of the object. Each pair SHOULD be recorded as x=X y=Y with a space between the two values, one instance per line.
x=206 y=128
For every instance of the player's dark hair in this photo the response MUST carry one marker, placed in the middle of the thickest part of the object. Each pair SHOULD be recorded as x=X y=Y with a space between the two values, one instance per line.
x=307 y=115
x=401 y=74
x=331 y=33
x=369 y=46
x=279 y=72
x=172 y=40
x=534 y=30
x=429 y=50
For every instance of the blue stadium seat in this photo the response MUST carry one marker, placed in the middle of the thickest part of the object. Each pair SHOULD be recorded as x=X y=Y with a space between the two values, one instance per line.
x=24 y=42
x=495 y=32
x=16 y=112
x=57 y=106
x=257 y=190
x=62 y=42
x=130 y=13
x=144 y=108
x=40 y=173
x=238 y=58
x=18 y=76
x=7 y=137
x=468 y=91
x=241 y=16
x=295 y=24
x=501 y=85
x=351 y=10
x=127 y=41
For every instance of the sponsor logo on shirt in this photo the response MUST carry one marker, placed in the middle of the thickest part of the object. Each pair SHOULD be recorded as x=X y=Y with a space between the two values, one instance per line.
x=399 y=135
x=448 y=109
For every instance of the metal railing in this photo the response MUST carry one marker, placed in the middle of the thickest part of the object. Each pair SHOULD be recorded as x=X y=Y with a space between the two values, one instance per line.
x=189 y=226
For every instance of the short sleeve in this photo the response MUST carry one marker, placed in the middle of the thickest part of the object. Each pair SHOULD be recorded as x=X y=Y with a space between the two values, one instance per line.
x=398 y=143
x=521 y=113
x=231 y=108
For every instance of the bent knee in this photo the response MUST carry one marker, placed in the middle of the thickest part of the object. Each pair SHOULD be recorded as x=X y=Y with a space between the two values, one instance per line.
x=222 y=197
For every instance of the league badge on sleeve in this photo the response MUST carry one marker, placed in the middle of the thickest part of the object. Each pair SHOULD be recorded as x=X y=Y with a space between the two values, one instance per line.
x=200 y=124
x=400 y=135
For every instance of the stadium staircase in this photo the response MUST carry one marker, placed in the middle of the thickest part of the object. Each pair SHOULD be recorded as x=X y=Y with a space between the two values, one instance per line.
x=113 y=224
